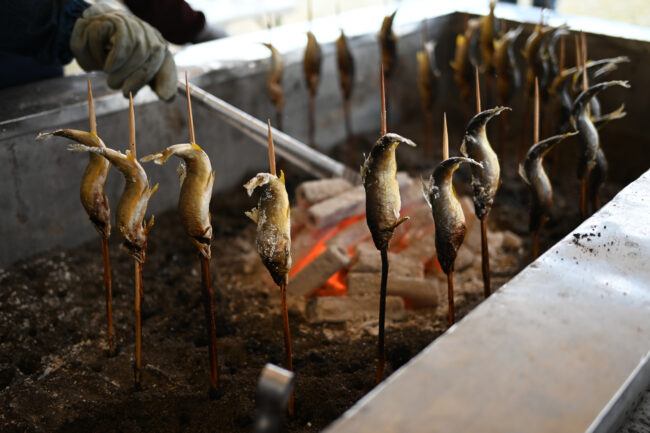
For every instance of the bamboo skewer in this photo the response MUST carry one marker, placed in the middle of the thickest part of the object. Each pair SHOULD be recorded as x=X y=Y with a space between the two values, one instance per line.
x=536 y=140
x=478 y=90
x=206 y=280
x=485 y=254
x=382 y=84
x=445 y=137
x=108 y=283
x=579 y=62
x=450 y=274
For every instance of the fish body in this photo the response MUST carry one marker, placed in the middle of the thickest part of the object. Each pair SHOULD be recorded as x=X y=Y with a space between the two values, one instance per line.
x=465 y=58
x=548 y=64
x=379 y=176
x=486 y=39
x=475 y=145
x=426 y=73
x=272 y=216
x=582 y=122
x=533 y=173
x=274 y=78
x=505 y=64
x=311 y=63
x=447 y=212
x=531 y=50
x=345 y=65
x=132 y=206
x=197 y=178
x=91 y=193
x=388 y=43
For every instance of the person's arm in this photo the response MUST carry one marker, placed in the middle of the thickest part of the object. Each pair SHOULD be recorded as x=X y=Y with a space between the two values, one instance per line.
x=40 y=29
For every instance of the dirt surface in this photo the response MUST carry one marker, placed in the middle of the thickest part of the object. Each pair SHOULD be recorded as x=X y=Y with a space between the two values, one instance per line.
x=55 y=375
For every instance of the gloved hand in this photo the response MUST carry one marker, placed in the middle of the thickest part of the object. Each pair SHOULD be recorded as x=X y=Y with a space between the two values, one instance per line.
x=129 y=50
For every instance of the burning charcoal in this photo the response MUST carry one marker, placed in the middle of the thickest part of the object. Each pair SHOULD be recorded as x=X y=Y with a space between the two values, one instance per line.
x=532 y=171
x=314 y=191
x=420 y=292
x=337 y=309
x=316 y=272
x=197 y=177
x=130 y=219
x=272 y=216
x=95 y=202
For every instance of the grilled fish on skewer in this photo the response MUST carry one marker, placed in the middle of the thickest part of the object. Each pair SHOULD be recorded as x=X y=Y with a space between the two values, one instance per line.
x=475 y=145
x=345 y=65
x=388 y=42
x=311 y=63
x=446 y=210
x=532 y=172
x=379 y=176
x=197 y=178
x=589 y=138
x=486 y=39
x=273 y=224
x=274 y=78
x=531 y=50
x=505 y=64
x=464 y=62
x=92 y=194
x=132 y=206
x=426 y=73
x=548 y=61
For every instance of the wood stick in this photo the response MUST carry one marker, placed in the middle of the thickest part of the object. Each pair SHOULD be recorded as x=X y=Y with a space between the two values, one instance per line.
x=208 y=301
x=108 y=292
x=348 y=131
x=287 y=335
x=536 y=113
x=312 y=120
x=485 y=258
x=445 y=138
x=132 y=127
x=271 y=150
x=384 y=128
x=381 y=351
x=450 y=297
x=478 y=90
x=91 y=110
x=139 y=294
x=189 y=109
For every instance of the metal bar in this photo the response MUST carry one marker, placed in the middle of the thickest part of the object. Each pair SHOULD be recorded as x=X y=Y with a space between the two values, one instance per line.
x=287 y=147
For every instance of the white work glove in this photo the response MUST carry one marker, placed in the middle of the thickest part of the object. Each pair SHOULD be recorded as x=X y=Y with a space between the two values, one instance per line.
x=130 y=51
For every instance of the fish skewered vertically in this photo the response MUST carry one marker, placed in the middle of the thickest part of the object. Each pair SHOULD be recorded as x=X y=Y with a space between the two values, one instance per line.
x=485 y=180
x=95 y=202
x=447 y=215
x=383 y=204
x=589 y=138
x=274 y=83
x=465 y=60
x=197 y=178
x=388 y=48
x=311 y=68
x=131 y=211
x=427 y=72
x=533 y=173
x=272 y=216
x=345 y=63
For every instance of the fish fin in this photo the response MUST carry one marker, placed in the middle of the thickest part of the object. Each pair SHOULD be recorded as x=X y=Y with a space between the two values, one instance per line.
x=399 y=221
x=151 y=220
x=282 y=177
x=252 y=214
x=426 y=187
x=259 y=180
x=74 y=147
x=181 y=171
x=364 y=168
x=154 y=189
x=463 y=147
x=211 y=180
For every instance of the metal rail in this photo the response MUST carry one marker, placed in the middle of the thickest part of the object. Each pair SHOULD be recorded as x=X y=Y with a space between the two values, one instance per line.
x=287 y=147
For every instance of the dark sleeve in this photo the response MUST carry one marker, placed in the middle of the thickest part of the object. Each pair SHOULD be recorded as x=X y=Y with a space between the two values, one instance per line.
x=174 y=19
x=39 y=29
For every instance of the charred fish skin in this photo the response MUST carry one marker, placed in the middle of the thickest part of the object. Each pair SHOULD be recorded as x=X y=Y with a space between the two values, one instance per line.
x=505 y=64
x=447 y=212
x=311 y=63
x=132 y=206
x=475 y=145
x=197 y=178
x=388 y=42
x=273 y=224
x=274 y=78
x=533 y=173
x=91 y=193
x=581 y=121
x=345 y=63
x=379 y=176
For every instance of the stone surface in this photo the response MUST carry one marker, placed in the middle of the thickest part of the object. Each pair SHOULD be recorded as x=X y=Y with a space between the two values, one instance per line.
x=335 y=309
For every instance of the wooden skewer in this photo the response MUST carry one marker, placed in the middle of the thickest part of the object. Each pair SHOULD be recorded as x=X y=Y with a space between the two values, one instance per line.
x=108 y=282
x=381 y=351
x=445 y=138
x=583 y=182
x=132 y=127
x=384 y=128
x=271 y=150
x=189 y=109
x=206 y=282
x=536 y=113
x=485 y=254
x=478 y=90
